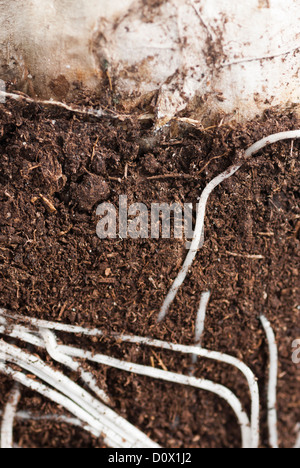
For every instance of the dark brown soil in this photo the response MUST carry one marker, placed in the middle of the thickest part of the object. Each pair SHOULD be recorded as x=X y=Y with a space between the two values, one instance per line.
x=56 y=168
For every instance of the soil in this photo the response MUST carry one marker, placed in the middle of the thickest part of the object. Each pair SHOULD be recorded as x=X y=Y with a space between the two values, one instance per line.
x=56 y=167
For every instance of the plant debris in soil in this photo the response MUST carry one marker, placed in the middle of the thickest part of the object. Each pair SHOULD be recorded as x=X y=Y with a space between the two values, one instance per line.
x=57 y=167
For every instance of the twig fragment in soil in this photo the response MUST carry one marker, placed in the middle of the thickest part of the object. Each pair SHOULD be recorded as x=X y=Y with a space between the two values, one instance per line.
x=251 y=257
x=172 y=176
x=185 y=176
x=160 y=362
x=94 y=148
x=266 y=234
x=49 y=205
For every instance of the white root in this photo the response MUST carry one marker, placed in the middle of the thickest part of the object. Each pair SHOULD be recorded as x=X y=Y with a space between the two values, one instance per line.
x=271 y=140
x=221 y=391
x=9 y=417
x=84 y=406
x=202 y=384
x=92 y=426
x=272 y=387
x=60 y=419
x=98 y=113
x=56 y=418
x=87 y=377
x=19 y=332
x=117 y=428
x=192 y=350
x=60 y=327
x=297 y=444
x=201 y=210
x=195 y=242
x=252 y=437
x=200 y=320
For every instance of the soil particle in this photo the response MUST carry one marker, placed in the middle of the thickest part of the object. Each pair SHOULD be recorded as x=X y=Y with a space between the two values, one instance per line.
x=150 y=164
x=91 y=190
x=99 y=164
